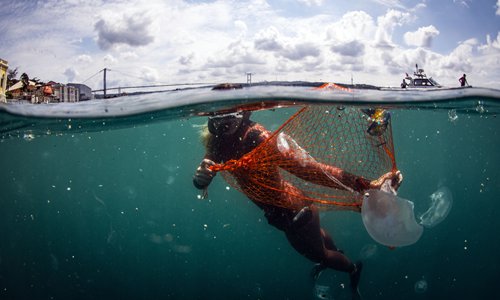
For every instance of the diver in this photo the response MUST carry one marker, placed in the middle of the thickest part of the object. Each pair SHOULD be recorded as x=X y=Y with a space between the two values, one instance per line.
x=230 y=136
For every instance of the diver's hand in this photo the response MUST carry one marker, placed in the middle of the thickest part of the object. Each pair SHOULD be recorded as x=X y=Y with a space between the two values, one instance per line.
x=203 y=175
x=389 y=182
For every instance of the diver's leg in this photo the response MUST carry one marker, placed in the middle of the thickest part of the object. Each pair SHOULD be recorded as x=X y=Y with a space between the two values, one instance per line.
x=317 y=245
x=354 y=277
x=307 y=238
x=338 y=261
x=303 y=217
x=329 y=243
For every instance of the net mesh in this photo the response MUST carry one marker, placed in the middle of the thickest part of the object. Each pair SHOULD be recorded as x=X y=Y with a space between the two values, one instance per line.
x=278 y=171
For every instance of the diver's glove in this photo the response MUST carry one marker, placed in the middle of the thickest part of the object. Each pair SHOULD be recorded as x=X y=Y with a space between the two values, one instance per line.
x=203 y=176
x=389 y=182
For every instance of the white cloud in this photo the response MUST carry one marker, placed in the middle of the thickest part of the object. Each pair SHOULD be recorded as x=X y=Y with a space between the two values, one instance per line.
x=498 y=8
x=491 y=46
x=422 y=37
x=390 y=3
x=421 y=5
x=353 y=25
x=84 y=58
x=300 y=51
x=149 y=74
x=130 y=30
x=311 y=2
x=70 y=74
x=269 y=40
x=460 y=58
x=241 y=27
x=109 y=58
x=464 y=3
x=236 y=56
x=129 y=55
x=352 y=48
x=386 y=25
x=186 y=60
x=291 y=48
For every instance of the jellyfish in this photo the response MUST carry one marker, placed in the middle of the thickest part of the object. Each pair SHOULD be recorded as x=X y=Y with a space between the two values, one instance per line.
x=368 y=251
x=285 y=144
x=421 y=286
x=257 y=291
x=389 y=219
x=322 y=292
x=441 y=202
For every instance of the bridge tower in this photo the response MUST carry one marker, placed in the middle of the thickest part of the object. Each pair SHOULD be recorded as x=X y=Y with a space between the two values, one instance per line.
x=249 y=78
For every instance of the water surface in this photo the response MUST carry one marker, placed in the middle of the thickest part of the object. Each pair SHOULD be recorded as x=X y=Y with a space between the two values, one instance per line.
x=97 y=201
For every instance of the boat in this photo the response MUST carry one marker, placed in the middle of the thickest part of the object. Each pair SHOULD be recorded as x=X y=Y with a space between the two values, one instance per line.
x=419 y=80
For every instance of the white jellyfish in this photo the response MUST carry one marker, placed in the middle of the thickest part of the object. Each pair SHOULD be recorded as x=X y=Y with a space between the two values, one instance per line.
x=368 y=251
x=421 y=286
x=389 y=219
x=322 y=292
x=441 y=202
x=286 y=143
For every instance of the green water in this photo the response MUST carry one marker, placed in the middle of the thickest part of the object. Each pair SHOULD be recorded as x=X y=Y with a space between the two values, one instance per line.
x=112 y=214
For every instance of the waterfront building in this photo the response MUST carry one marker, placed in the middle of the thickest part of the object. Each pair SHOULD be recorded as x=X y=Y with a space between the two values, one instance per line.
x=65 y=93
x=4 y=66
x=17 y=89
x=85 y=91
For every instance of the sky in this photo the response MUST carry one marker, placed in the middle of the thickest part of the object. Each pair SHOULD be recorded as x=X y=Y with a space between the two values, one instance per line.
x=187 y=41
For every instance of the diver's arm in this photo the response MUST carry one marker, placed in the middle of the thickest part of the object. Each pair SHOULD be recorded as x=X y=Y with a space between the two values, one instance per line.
x=304 y=166
x=331 y=176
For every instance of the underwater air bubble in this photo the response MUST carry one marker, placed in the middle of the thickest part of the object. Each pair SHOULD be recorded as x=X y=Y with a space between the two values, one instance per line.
x=441 y=202
x=322 y=292
x=421 y=286
x=389 y=219
x=452 y=115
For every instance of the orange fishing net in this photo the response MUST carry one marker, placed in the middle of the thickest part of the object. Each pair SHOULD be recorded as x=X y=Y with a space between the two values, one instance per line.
x=331 y=136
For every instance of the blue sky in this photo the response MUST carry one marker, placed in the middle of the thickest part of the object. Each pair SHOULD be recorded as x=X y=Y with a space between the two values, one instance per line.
x=174 y=41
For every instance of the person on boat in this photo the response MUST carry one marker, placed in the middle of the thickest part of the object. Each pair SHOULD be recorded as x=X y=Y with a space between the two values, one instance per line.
x=463 y=81
x=403 y=84
x=230 y=136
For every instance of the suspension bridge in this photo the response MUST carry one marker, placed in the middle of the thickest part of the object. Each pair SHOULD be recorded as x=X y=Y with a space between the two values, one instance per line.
x=120 y=89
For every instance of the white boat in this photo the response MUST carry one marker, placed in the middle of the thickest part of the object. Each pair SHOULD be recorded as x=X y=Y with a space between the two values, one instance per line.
x=419 y=80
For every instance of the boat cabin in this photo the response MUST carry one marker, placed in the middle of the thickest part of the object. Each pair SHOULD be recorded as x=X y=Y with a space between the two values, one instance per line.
x=419 y=80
